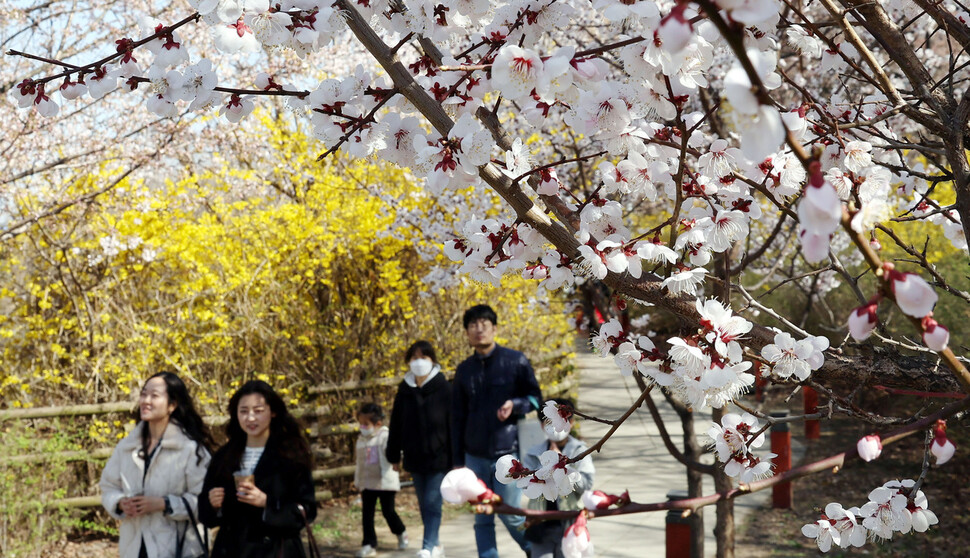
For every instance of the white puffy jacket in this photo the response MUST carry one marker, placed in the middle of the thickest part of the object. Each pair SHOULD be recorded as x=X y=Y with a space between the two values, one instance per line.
x=176 y=472
x=373 y=471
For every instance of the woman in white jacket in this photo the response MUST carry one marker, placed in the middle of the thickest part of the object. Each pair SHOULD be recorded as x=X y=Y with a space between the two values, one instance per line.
x=155 y=474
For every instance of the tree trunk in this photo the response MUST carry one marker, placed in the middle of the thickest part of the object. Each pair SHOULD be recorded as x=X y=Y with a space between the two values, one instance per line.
x=695 y=484
x=724 y=525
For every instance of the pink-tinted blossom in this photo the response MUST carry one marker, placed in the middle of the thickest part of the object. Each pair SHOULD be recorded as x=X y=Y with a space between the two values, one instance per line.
x=935 y=336
x=869 y=447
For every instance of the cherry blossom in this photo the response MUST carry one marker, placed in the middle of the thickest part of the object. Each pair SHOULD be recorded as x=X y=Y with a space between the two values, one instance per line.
x=675 y=29
x=824 y=533
x=237 y=108
x=863 y=320
x=508 y=469
x=886 y=511
x=609 y=337
x=846 y=521
x=913 y=295
x=941 y=448
x=599 y=500
x=733 y=441
x=857 y=155
x=935 y=336
x=723 y=327
x=795 y=358
x=819 y=214
x=576 y=542
x=557 y=415
x=461 y=485
x=466 y=90
x=517 y=71
x=869 y=447
x=685 y=281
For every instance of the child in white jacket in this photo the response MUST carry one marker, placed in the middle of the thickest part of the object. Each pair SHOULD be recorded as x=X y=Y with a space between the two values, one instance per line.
x=376 y=479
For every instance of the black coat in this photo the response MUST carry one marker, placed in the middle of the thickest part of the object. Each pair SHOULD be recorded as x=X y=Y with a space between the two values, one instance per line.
x=420 y=426
x=482 y=384
x=249 y=532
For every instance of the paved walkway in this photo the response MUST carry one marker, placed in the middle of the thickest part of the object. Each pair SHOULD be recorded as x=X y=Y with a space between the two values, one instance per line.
x=634 y=458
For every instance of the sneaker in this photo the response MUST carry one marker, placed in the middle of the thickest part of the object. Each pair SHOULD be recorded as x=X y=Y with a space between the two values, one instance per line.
x=365 y=551
x=403 y=541
x=423 y=553
x=438 y=552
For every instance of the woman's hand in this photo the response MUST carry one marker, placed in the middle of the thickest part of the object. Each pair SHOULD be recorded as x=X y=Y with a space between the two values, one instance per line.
x=142 y=505
x=127 y=507
x=216 y=497
x=247 y=493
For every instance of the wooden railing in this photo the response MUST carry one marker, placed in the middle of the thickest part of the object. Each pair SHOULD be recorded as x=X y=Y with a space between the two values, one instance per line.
x=313 y=416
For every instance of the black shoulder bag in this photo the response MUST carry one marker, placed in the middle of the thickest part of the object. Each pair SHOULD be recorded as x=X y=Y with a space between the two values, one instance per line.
x=180 y=540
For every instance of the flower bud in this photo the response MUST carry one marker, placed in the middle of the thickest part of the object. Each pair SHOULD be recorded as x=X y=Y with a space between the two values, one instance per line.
x=935 y=336
x=914 y=296
x=869 y=447
x=863 y=320
x=941 y=448
x=461 y=485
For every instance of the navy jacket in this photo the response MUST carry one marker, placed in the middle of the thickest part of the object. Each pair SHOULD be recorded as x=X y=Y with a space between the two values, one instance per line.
x=481 y=385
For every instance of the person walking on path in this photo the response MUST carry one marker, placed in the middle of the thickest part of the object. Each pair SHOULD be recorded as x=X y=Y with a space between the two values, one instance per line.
x=420 y=430
x=546 y=537
x=259 y=480
x=376 y=479
x=154 y=476
x=493 y=389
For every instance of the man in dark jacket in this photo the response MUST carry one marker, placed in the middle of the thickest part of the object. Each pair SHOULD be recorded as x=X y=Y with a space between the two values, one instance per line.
x=492 y=389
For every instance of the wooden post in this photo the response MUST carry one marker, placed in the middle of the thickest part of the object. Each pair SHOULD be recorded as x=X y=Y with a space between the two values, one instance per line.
x=678 y=528
x=781 y=493
x=813 y=427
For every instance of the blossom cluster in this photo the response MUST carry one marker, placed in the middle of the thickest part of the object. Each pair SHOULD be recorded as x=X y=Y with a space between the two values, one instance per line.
x=733 y=441
x=894 y=507
x=789 y=357
x=553 y=479
x=704 y=369
x=869 y=447
x=914 y=296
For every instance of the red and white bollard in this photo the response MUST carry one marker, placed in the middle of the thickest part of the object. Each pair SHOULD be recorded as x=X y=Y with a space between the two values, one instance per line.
x=678 y=528
x=781 y=447
x=813 y=427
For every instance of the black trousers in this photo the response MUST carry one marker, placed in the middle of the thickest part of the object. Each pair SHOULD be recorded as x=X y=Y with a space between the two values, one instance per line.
x=369 y=500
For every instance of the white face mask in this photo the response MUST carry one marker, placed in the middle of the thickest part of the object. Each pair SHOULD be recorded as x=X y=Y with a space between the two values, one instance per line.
x=421 y=366
x=554 y=436
x=367 y=431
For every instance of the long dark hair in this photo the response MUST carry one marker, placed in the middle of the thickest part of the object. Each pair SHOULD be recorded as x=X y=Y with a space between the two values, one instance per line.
x=285 y=432
x=185 y=415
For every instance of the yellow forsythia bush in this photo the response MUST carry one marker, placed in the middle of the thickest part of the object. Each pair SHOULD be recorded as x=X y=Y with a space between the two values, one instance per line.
x=279 y=267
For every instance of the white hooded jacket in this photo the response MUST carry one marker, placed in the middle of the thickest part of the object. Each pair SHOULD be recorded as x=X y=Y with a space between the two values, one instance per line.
x=373 y=471
x=175 y=471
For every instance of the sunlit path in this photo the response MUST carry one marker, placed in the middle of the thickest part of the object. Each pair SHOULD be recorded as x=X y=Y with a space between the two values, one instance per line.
x=634 y=459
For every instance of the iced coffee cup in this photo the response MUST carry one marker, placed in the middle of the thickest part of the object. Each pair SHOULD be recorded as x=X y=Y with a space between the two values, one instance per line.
x=240 y=477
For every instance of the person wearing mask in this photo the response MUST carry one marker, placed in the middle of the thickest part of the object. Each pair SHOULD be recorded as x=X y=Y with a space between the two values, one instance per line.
x=259 y=489
x=545 y=537
x=420 y=431
x=154 y=476
x=492 y=390
x=376 y=479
